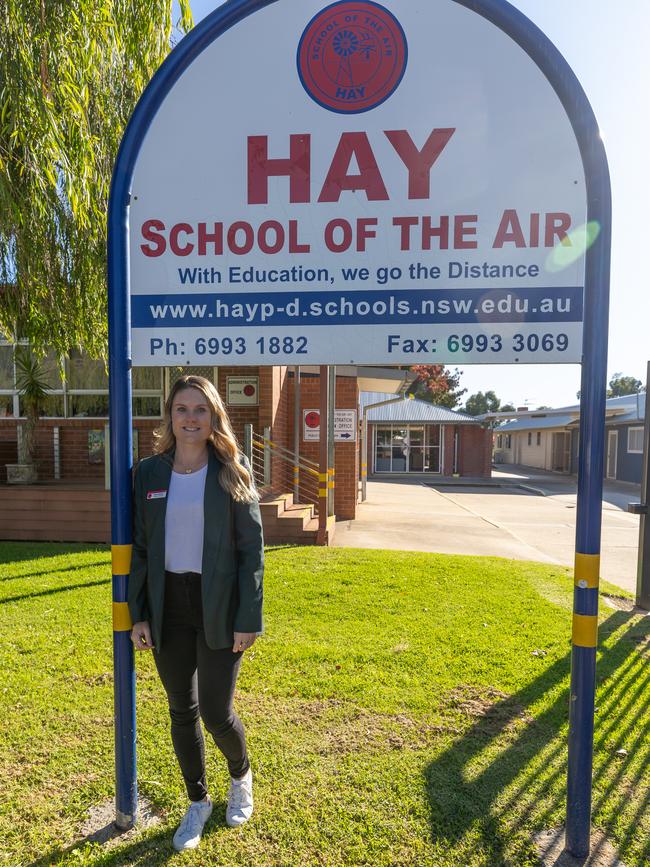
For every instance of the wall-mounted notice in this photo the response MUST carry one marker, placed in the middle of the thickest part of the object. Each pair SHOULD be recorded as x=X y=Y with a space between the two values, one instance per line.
x=345 y=425
x=242 y=390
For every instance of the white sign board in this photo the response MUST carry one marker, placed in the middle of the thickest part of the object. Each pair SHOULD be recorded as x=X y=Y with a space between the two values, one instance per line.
x=393 y=184
x=345 y=425
x=243 y=390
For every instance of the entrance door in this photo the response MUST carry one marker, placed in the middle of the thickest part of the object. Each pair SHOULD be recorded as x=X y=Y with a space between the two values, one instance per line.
x=400 y=449
x=416 y=449
x=433 y=448
x=407 y=448
x=612 y=453
x=561 y=454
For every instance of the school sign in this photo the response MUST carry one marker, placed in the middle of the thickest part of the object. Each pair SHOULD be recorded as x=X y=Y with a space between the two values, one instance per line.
x=359 y=183
x=416 y=181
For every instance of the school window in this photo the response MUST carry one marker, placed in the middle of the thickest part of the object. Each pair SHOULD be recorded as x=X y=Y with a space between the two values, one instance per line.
x=635 y=440
x=508 y=441
x=499 y=441
x=408 y=448
x=539 y=438
x=530 y=438
x=82 y=392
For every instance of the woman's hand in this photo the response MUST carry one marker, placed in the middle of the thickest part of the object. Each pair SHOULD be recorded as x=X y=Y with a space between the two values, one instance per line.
x=243 y=640
x=141 y=636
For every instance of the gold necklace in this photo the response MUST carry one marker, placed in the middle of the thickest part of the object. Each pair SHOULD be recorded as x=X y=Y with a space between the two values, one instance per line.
x=189 y=470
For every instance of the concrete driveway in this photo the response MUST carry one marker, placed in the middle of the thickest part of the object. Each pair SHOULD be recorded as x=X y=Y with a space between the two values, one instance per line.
x=521 y=515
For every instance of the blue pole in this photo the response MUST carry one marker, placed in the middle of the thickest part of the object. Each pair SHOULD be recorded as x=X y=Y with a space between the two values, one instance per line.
x=588 y=517
x=121 y=451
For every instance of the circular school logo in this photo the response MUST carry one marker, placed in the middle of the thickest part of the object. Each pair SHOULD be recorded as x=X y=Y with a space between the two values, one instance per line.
x=352 y=56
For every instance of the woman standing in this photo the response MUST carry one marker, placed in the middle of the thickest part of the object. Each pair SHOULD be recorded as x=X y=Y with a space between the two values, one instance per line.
x=195 y=587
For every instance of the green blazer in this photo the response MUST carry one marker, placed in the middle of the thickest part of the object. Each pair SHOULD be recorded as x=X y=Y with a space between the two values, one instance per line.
x=233 y=555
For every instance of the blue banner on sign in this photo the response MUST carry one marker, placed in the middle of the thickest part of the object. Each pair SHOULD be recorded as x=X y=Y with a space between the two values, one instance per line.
x=374 y=307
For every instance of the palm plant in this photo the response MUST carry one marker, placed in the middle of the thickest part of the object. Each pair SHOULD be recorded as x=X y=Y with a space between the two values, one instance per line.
x=33 y=389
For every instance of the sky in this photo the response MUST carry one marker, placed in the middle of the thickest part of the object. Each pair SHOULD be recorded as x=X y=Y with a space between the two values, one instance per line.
x=606 y=45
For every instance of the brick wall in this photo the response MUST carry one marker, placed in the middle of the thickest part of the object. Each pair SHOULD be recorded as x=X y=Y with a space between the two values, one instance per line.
x=8 y=447
x=239 y=415
x=475 y=451
x=75 y=464
x=346 y=458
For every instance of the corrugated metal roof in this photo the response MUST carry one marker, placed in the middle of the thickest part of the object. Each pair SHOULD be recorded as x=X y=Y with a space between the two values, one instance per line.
x=620 y=410
x=535 y=423
x=411 y=411
x=636 y=411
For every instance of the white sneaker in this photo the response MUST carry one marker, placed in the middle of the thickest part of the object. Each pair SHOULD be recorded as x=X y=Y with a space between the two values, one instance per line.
x=240 y=801
x=188 y=833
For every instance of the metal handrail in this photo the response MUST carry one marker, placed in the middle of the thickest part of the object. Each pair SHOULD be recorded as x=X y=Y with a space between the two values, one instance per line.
x=303 y=462
x=300 y=476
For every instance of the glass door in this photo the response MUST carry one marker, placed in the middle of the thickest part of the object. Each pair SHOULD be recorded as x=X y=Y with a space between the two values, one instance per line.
x=416 y=449
x=433 y=441
x=400 y=449
x=383 y=449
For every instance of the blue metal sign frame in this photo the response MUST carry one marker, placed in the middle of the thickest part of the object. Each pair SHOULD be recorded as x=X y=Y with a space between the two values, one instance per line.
x=592 y=404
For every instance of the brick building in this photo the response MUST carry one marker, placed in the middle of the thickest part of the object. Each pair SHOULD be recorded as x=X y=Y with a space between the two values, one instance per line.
x=71 y=502
x=414 y=437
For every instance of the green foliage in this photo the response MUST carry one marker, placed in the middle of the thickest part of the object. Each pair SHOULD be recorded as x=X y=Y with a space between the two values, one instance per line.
x=70 y=75
x=30 y=375
x=33 y=388
x=402 y=709
x=620 y=385
x=437 y=384
x=480 y=403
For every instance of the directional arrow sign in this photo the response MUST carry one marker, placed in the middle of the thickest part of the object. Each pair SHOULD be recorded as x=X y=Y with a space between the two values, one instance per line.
x=345 y=425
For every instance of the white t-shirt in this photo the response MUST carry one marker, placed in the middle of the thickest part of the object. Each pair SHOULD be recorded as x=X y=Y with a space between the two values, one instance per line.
x=184 y=521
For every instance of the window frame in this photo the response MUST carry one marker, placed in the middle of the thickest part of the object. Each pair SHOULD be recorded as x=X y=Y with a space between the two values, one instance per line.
x=66 y=393
x=635 y=429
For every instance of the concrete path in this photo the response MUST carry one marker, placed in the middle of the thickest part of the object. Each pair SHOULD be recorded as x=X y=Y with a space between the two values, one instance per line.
x=502 y=520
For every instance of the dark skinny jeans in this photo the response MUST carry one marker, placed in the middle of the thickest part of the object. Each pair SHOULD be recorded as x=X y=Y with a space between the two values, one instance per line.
x=200 y=684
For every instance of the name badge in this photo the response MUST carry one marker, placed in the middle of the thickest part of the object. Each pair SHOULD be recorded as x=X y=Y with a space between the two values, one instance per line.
x=156 y=495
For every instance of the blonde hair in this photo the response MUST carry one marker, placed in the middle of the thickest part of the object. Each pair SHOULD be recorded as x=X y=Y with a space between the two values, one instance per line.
x=234 y=477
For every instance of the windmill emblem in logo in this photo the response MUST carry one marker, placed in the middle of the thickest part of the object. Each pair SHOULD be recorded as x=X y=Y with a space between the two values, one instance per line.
x=352 y=56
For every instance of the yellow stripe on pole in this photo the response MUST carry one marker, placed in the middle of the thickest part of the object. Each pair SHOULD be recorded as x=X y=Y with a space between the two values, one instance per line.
x=121 y=559
x=322 y=477
x=331 y=485
x=585 y=630
x=322 y=492
x=587 y=570
x=121 y=617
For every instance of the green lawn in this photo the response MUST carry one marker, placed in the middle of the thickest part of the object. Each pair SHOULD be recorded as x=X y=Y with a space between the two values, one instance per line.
x=402 y=709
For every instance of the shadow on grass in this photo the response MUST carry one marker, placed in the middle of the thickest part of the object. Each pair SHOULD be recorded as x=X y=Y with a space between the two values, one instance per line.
x=49 y=572
x=154 y=849
x=506 y=773
x=54 y=590
x=20 y=552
